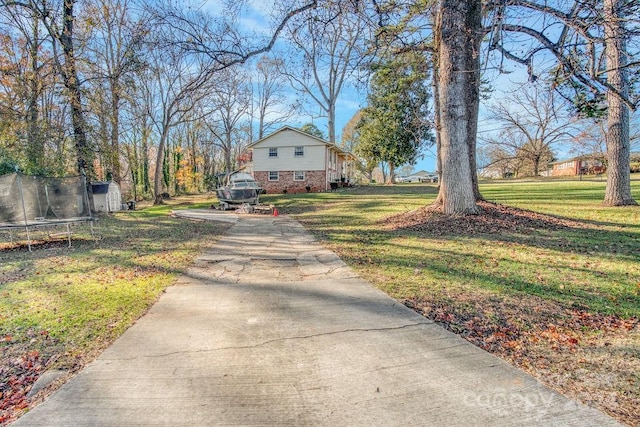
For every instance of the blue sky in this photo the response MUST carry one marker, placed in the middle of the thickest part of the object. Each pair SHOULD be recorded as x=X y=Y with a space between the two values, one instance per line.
x=254 y=16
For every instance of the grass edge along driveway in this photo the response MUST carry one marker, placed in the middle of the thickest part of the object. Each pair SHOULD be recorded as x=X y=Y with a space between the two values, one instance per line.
x=555 y=295
x=60 y=307
x=551 y=282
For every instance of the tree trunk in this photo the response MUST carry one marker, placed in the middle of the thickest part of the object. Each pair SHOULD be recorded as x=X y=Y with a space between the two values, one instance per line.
x=458 y=48
x=618 y=189
x=383 y=171
x=473 y=107
x=227 y=154
x=72 y=85
x=331 y=121
x=436 y=102
x=472 y=73
x=261 y=124
x=144 y=153
x=134 y=168
x=472 y=129
x=35 y=146
x=115 y=131
x=158 y=176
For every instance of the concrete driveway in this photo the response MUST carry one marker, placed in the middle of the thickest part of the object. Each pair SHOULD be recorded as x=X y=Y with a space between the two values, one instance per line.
x=269 y=328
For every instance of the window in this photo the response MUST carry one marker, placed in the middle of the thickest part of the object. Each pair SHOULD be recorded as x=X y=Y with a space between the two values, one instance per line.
x=298 y=152
x=273 y=152
x=274 y=176
x=298 y=176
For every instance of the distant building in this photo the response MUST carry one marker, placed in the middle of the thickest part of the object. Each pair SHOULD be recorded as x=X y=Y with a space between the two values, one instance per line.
x=501 y=169
x=106 y=196
x=581 y=165
x=422 y=173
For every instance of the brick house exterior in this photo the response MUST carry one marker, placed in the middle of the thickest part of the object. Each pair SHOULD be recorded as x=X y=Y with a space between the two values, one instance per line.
x=292 y=161
x=581 y=165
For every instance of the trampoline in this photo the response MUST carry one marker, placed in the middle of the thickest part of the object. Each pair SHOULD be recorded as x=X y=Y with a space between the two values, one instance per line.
x=30 y=202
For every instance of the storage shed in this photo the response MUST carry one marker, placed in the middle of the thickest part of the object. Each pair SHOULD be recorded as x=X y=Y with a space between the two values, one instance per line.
x=106 y=196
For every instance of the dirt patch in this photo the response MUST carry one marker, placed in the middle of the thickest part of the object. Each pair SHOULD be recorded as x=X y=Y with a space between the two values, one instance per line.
x=492 y=219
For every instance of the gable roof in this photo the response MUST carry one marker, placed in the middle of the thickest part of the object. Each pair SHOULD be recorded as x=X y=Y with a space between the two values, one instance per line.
x=101 y=187
x=285 y=128
x=289 y=128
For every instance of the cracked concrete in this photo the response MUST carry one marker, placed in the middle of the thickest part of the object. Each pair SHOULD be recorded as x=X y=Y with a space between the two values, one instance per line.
x=269 y=328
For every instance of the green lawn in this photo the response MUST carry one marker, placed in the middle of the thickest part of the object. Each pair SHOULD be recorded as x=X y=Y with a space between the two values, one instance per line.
x=593 y=265
x=562 y=303
x=60 y=306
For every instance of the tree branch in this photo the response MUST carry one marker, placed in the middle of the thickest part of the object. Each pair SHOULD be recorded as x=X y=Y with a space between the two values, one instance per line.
x=595 y=83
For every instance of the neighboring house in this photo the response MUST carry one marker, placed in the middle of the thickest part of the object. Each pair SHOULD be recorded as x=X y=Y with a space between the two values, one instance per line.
x=422 y=174
x=498 y=170
x=491 y=172
x=581 y=165
x=292 y=161
x=106 y=196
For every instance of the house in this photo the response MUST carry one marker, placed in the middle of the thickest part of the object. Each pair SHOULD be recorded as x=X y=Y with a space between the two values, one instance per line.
x=293 y=161
x=423 y=174
x=106 y=196
x=581 y=165
x=498 y=170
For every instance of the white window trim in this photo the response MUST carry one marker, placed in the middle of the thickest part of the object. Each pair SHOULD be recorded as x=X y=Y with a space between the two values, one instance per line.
x=275 y=150
x=295 y=151
x=300 y=179
x=277 y=176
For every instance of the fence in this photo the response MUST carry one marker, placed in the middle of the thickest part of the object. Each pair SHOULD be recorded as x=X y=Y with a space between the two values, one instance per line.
x=29 y=202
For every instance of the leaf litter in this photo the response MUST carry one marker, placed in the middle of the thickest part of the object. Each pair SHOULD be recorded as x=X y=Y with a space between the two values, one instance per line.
x=591 y=357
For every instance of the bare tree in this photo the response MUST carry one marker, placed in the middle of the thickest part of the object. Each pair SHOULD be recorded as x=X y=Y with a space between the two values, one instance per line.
x=59 y=21
x=217 y=43
x=350 y=134
x=272 y=107
x=232 y=99
x=329 y=45
x=219 y=40
x=139 y=135
x=533 y=121
x=592 y=60
x=177 y=83
x=114 y=44
x=590 y=141
x=24 y=75
x=33 y=77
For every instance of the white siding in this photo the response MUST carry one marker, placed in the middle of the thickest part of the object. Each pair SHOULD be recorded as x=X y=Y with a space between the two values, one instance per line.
x=100 y=203
x=286 y=141
x=109 y=202
x=114 y=198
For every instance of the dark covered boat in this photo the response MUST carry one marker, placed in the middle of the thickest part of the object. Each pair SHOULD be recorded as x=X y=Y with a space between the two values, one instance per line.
x=239 y=188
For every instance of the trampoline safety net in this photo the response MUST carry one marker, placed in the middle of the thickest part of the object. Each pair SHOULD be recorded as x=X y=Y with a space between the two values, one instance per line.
x=25 y=199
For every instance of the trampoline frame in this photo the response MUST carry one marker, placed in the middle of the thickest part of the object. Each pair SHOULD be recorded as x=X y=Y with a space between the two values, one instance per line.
x=29 y=225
